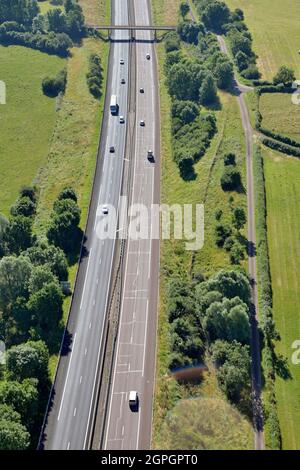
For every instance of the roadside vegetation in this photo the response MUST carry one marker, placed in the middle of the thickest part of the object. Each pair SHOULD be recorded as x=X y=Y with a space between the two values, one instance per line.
x=32 y=276
x=276 y=42
x=187 y=337
x=205 y=423
x=41 y=233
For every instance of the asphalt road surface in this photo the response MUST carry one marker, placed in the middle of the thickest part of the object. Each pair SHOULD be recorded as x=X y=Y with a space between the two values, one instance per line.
x=255 y=345
x=134 y=365
x=68 y=419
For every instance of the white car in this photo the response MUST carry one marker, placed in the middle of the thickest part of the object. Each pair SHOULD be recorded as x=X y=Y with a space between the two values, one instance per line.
x=142 y=123
x=122 y=62
x=133 y=399
x=121 y=119
x=104 y=209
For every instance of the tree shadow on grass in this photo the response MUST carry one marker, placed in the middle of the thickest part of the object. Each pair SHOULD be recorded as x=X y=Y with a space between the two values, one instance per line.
x=281 y=367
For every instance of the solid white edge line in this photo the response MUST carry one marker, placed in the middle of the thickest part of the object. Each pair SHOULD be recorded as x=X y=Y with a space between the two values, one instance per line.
x=63 y=395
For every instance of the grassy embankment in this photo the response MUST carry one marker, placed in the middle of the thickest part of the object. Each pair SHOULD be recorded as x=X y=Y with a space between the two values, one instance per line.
x=175 y=261
x=276 y=35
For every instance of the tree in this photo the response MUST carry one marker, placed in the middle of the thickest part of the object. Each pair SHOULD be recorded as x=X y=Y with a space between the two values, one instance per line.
x=208 y=90
x=46 y=307
x=222 y=232
x=67 y=193
x=3 y=227
x=187 y=111
x=240 y=42
x=7 y=413
x=186 y=166
x=184 y=9
x=14 y=278
x=215 y=15
x=224 y=74
x=28 y=360
x=30 y=192
x=233 y=363
x=237 y=253
x=22 y=397
x=285 y=75
x=231 y=178
x=189 y=31
x=18 y=234
x=51 y=256
x=185 y=79
x=13 y=435
x=63 y=231
x=238 y=324
x=242 y=61
x=56 y=20
x=40 y=277
x=172 y=42
x=229 y=159
x=231 y=283
x=239 y=218
x=24 y=207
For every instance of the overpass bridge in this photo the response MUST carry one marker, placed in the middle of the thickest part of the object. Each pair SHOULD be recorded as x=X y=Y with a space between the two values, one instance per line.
x=132 y=29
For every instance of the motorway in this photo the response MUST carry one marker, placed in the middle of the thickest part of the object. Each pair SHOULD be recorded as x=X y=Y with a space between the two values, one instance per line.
x=134 y=364
x=70 y=411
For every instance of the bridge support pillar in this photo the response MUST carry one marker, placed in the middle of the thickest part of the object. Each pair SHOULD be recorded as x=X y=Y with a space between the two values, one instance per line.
x=155 y=35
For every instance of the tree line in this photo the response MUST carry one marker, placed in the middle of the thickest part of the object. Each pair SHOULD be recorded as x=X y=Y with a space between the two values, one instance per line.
x=32 y=275
x=22 y=23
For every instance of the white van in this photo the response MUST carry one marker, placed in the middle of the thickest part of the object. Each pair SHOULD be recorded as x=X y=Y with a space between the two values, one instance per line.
x=114 y=104
x=133 y=399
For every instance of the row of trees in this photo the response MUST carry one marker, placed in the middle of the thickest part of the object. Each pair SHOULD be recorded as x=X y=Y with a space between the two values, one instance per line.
x=214 y=313
x=21 y=23
x=31 y=299
x=94 y=76
x=228 y=233
x=217 y=17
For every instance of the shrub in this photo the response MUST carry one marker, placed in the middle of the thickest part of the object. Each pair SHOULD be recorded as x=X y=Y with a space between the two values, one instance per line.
x=222 y=232
x=94 y=75
x=229 y=159
x=53 y=86
x=231 y=178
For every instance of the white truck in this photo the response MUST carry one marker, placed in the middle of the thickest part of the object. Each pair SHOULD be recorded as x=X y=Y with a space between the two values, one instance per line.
x=114 y=104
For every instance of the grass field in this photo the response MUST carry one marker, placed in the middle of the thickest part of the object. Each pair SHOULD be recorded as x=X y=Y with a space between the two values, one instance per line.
x=46 y=6
x=283 y=195
x=175 y=261
x=27 y=119
x=275 y=28
x=280 y=114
